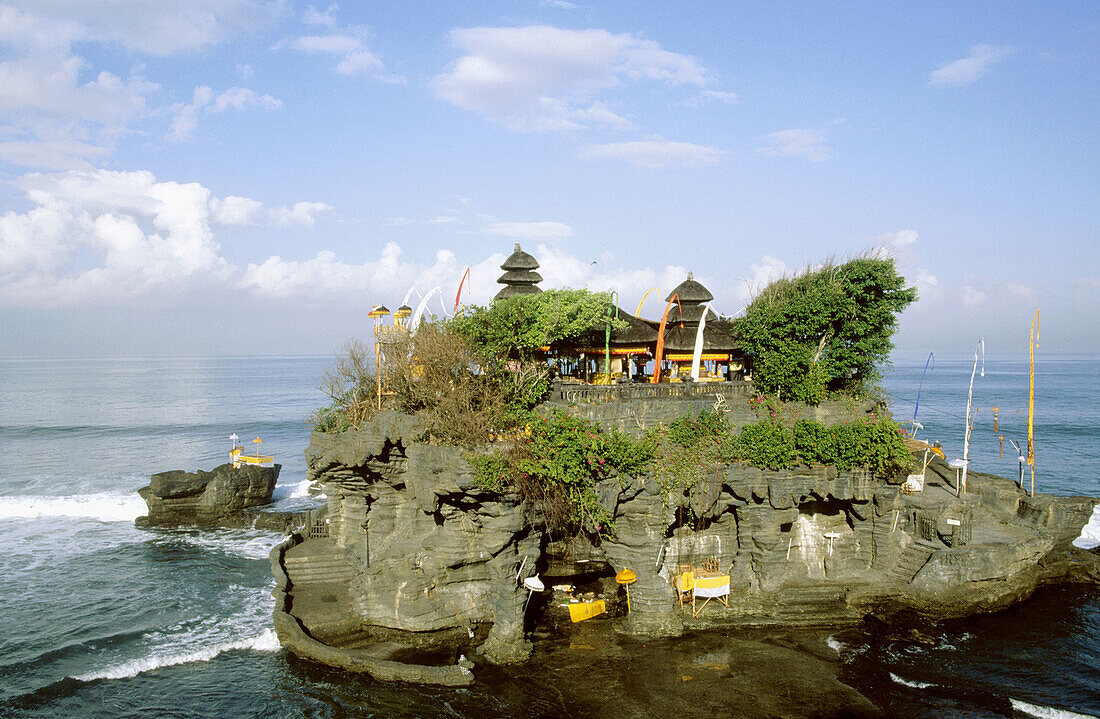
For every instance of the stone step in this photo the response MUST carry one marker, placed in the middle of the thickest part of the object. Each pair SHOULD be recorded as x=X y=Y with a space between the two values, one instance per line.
x=909 y=563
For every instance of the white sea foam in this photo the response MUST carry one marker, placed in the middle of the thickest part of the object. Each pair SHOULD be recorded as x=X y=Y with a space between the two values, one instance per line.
x=266 y=641
x=906 y=682
x=1090 y=533
x=835 y=645
x=245 y=543
x=1037 y=710
x=292 y=491
x=103 y=506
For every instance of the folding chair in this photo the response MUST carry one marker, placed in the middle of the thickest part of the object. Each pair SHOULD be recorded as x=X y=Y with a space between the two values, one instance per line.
x=711 y=588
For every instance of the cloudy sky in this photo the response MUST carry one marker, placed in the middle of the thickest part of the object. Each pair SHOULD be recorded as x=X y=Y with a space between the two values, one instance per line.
x=221 y=177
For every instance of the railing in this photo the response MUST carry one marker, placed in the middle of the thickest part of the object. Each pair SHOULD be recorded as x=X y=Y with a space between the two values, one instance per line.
x=316 y=526
x=960 y=529
x=610 y=393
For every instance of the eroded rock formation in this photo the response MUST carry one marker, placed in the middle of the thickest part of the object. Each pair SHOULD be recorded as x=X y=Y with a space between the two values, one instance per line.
x=414 y=557
x=219 y=498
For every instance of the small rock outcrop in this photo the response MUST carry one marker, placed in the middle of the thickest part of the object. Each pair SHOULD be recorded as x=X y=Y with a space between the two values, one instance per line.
x=219 y=498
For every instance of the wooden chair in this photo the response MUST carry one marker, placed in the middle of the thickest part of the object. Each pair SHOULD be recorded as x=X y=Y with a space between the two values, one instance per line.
x=683 y=583
x=710 y=588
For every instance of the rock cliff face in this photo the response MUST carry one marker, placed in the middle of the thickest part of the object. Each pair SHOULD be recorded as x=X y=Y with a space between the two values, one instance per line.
x=430 y=556
x=208 y=499
x=414 y=556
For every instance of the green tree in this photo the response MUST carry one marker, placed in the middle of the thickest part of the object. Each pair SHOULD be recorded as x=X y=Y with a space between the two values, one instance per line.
x=828 y=328
x=513 y=327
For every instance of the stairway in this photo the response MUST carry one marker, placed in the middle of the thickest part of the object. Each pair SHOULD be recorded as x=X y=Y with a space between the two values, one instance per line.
x=910 y=562
x=317 y=561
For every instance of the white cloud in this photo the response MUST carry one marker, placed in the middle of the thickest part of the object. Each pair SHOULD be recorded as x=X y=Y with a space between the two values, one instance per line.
x=702 y=98
x=66 y=114
x=245 y=72
x=654 y=153
x=144 y=234
x=542 y=78
x=101 y=236
x=303 y=214
x=532 y=230
x=155 y=28
x=972 y=296
x=969 y=69
x=808 y=144
x=346 y=43
x=186 y=116
x=235 y=211
x=561 y=4
x=313 y=16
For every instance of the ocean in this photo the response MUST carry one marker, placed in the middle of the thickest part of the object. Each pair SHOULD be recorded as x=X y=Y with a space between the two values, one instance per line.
x=100 y=618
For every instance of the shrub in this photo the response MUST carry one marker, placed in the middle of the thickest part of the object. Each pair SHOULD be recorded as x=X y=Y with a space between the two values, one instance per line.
x=827 y=328
x=352 y=390
x=766 y=444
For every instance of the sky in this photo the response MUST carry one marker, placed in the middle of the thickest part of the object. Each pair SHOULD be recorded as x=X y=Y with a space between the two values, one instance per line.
x=233 y=177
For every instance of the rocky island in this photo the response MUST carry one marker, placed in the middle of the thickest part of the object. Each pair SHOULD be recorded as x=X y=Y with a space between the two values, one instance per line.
x=450 y=543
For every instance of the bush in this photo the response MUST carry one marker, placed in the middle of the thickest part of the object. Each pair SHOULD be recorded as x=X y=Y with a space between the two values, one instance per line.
x=350 y=385
x=557 y=463
x=810 y=441
x=826 y=329
x=686 y=431
x=766 y=444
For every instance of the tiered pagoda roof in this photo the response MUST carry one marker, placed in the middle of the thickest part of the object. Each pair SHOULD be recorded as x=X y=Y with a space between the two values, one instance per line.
x=519 y=276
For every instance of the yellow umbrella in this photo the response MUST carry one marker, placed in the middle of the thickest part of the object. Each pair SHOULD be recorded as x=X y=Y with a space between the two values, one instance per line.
x=626 y=578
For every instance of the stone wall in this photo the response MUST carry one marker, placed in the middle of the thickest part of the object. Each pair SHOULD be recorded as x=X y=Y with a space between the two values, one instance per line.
x=631 y=410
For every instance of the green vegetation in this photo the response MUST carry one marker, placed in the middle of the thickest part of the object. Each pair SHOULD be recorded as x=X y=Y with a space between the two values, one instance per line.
x=477 y=375
x=557 y=463
x=825 y=330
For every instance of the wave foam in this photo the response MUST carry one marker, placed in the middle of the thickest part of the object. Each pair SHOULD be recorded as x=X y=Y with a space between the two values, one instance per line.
x=1090 y=533
x=244 y=543
x=906 y=682
x=836 y=645
x=292 y=491
x=266 y=641
x=1037 y=710
x=103 y=506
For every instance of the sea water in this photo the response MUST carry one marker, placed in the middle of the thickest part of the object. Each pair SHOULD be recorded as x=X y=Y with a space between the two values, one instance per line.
x=100 y=618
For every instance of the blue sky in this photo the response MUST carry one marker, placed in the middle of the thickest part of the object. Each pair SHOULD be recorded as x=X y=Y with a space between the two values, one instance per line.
x=250 y=176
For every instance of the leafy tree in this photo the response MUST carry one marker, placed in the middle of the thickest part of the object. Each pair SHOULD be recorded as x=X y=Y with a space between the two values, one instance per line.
x=513 y=327
x=506 y=334
x=826 y=329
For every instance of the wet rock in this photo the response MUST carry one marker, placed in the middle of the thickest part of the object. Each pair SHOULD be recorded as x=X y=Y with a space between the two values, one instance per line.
x=219 y=498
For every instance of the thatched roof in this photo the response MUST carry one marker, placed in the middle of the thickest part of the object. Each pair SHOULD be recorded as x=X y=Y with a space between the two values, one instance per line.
x=718 y=337
x=520 y=260
x=637 y=333
x=691 y=292
x=519 y=276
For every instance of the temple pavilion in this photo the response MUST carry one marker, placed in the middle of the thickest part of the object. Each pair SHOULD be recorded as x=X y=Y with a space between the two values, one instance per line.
x=632 y=349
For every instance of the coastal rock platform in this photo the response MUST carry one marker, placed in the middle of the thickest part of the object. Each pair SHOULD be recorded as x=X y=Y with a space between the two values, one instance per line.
x=415 y=567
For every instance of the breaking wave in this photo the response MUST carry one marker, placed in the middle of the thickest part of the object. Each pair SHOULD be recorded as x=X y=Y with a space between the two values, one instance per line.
x=266 y=641
x=1037 y=710
x=913 y=684
x=103 y=506
x=1090 y=533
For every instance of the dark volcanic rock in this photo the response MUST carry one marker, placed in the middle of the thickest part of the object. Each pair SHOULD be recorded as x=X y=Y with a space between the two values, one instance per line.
x=218 y=498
